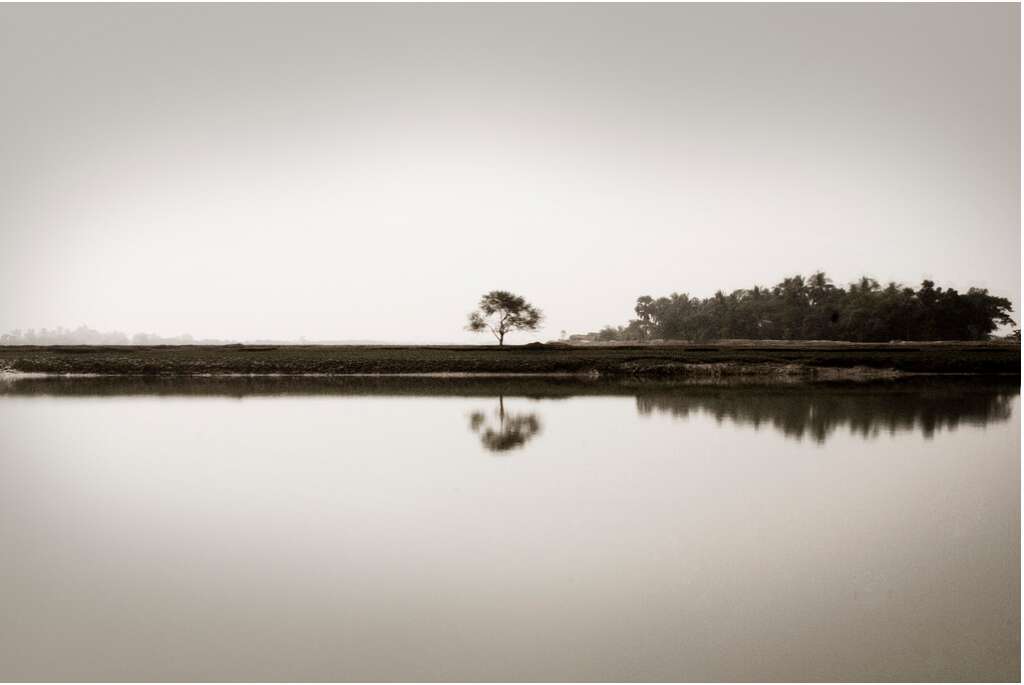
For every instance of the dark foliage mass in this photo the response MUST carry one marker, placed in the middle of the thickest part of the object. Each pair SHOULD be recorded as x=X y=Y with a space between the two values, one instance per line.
x=815 y=309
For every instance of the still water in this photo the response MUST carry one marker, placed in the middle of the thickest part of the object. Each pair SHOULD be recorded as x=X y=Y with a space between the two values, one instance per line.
x=416 y=529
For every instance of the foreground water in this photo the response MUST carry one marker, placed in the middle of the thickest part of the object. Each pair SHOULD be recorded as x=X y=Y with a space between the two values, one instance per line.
x=375 y=529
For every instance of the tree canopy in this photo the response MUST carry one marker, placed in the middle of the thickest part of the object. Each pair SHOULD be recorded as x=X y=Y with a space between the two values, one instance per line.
x=815 y=309
x=502 y=312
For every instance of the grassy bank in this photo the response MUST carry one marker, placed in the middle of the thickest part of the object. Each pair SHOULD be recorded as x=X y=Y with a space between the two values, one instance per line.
x=789 y=359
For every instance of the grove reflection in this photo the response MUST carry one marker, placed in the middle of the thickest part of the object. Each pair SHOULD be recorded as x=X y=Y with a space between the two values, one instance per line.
x=866 y=410
x=814 y=410
x=510 y=432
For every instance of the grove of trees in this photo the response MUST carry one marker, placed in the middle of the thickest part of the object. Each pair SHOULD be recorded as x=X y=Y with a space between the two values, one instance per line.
x=815 y=309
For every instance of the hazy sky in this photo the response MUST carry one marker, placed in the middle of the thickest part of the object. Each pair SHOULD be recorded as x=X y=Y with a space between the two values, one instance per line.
x=347 y=171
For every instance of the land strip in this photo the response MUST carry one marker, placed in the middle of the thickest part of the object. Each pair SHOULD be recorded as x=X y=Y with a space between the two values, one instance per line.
x=828 y=361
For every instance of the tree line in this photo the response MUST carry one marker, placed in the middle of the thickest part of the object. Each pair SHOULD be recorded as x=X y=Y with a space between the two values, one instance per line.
x=83 y=335
x=816 y=309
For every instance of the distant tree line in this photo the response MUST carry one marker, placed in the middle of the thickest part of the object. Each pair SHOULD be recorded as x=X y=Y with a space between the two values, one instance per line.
x=83 y=335
x=815 y=309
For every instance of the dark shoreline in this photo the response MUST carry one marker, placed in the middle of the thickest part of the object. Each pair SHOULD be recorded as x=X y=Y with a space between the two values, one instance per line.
x=806 y=361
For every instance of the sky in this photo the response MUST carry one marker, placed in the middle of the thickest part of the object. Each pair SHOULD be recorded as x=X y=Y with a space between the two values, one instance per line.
x=367 y=172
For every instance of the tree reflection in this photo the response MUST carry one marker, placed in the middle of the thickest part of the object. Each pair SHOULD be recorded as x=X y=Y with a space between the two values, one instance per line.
x=511 y=431
x=866 y=411
x=796 y=409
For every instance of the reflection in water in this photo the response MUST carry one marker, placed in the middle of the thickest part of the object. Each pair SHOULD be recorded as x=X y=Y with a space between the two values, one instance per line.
x=867 y=410
x=817 y=410
x=142 y=513
x=512 y=430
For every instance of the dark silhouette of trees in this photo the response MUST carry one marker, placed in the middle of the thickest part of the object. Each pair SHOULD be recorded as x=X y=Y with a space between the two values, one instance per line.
x=502 y=312
x=815 y=309
x=642 y=322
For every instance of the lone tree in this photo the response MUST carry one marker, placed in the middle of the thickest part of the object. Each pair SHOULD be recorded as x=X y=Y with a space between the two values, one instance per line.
x=502 y=312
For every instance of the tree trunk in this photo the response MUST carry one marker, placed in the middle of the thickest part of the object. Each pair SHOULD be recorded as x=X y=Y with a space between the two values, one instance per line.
x=501 y=339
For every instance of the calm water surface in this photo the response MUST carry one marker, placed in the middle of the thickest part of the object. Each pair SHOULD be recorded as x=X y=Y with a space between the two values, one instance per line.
x=377 y=529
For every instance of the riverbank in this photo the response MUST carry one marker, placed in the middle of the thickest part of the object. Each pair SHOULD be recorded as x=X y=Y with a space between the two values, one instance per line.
x=815 y=360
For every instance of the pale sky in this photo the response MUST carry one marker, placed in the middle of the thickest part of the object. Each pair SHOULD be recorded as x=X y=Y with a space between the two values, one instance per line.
x=349 y=171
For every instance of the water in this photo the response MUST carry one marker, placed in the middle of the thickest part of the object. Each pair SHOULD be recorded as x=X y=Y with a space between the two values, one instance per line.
x=374 y=529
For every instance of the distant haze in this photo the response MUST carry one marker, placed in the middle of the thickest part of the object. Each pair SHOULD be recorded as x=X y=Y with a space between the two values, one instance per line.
x=350 y=171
